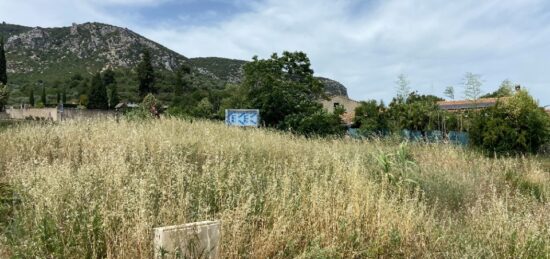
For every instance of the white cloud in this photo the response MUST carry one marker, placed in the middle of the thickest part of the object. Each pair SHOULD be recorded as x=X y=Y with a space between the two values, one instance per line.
x=363 y=44
x=434 y=42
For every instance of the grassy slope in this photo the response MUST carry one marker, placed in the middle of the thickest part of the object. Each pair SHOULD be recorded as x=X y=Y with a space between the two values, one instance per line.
x=97 y=189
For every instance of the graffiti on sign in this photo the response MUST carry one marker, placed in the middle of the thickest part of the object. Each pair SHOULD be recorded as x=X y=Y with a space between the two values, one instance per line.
x=242 y=117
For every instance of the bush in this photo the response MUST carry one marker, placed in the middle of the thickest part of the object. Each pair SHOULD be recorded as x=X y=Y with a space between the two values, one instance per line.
x=513 y=126
x=149 y=108
x=320 y=123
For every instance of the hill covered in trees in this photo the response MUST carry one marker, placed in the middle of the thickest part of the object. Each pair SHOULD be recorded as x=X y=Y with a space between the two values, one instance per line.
x=65 y=58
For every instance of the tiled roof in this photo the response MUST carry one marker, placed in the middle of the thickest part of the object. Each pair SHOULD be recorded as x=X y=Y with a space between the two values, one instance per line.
x=468 y=104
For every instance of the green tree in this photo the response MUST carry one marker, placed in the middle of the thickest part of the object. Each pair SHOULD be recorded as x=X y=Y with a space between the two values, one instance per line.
x=3 y=65
x=371 y=118
x=108 y=77
x=146 y=75
x=418 y=112
x=504 y=90
x=114 y=97
x=449 y=92
x=472 y=86
x=512 y=126
x=64 y=96
x=182 y=87
x=286 y=93
x=110 y=83
x=97 y=99
x=43 y=97
x=204 y=109
x=31 y=97
x=4 y=95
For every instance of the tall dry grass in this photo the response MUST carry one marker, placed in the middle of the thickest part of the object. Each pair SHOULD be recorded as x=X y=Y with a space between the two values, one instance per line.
x=97 y=188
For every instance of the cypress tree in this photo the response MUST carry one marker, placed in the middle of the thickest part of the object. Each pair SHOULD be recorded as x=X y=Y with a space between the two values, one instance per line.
x=3 y=66
x=97 y=98
x=43 y=98
x=114 y=98
x=111 y=84
x=146 y=75
x=64 y=96
x=108 y=77
x=31 y=97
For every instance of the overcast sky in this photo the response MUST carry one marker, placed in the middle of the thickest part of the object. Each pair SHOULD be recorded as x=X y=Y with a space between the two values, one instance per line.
x=363 y=44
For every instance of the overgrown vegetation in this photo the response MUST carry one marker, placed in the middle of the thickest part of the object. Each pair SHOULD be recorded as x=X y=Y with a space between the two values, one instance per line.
x=97 y=188
x=516 y=125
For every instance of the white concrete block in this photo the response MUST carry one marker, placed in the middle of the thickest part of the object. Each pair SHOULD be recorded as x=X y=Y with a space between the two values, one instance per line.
x=194 y=240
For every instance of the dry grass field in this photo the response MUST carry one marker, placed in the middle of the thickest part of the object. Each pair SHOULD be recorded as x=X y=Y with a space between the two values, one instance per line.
x=95 y=189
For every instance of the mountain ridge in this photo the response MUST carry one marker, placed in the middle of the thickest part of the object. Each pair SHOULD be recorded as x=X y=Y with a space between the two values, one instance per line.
x=52 y=55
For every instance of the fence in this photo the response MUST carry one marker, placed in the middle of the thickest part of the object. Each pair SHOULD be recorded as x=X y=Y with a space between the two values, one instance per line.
x=455 y=137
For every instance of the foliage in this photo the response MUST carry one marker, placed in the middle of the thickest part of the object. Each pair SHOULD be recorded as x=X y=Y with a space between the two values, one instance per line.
x=146 y=75
x=149 y=108
x=516 y=125
x=182 y=86
x=285 y=91
x=504 y=90
x=449 y=92
x=110 y=83
x=472 y=86
x=97 y=98
x=403 y=89
x=4 y=95
x=416 y=112
x=319 y=123
x=63 y=96
x=371 y=118
x=31 y=97
x=43 y=98
x=3 y=66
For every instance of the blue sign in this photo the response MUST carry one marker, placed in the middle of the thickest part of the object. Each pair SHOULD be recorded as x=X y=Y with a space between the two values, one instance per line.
x=242 y=117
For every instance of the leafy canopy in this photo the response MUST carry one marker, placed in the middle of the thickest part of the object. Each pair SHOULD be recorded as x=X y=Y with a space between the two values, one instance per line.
x=287 y=94
x=515 y=125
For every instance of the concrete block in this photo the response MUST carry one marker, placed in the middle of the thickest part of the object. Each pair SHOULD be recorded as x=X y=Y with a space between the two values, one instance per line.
x=194 y=240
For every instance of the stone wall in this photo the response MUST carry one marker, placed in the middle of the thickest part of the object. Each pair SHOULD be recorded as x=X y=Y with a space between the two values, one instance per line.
x=54 y=115
x=34 y=113
x=345 y=102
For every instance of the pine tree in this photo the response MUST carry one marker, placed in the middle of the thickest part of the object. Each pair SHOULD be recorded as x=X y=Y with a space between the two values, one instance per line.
x=31 y=97
x=146 y=75
x=181 y=87
x=43 y=98
x=97 y=99
x=3 y=67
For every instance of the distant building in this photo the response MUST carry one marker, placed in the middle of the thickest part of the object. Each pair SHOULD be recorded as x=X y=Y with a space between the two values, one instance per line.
x=463 y=105
x=342 y=101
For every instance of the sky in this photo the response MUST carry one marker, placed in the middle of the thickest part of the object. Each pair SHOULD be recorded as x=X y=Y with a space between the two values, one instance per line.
x=364 y=44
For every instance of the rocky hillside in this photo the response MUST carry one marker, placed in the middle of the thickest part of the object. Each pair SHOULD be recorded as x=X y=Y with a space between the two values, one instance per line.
x=51 y=56
x=230 y=70
x=86 y=47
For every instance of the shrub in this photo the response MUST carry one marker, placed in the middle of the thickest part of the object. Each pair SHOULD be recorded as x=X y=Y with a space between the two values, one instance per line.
x=516 y=125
